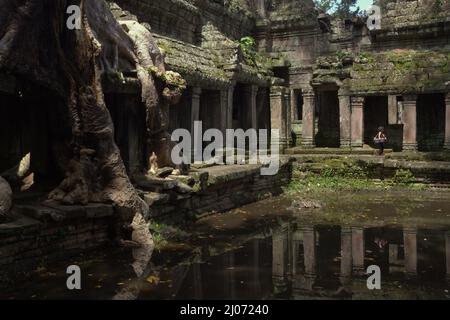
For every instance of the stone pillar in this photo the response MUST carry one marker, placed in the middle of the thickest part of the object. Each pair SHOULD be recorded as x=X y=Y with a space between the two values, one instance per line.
x=195 y=106
x=392 y=109
x=410 y=122
x=358 y=249
x=357 y=122
x=410 y=247
x=345 y=119
x=223 y=111
x=230 y=100
x=294 y=106
x=447 y=122
x=309 y=122
x=252 y=119
x=447 y=253
x=287 y=102
x=195 y=116
x=278 y=114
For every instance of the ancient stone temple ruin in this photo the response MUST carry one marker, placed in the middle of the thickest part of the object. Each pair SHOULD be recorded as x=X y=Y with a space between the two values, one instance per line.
x=322 y=82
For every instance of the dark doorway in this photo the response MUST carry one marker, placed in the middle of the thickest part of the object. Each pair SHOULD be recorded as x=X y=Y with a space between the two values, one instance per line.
x=430 y=121
x=375 y=116
x=239 y=106
x=328 y=134
x=128 y=116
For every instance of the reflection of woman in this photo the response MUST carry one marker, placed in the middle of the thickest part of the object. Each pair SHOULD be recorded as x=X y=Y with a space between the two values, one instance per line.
x=380 y=139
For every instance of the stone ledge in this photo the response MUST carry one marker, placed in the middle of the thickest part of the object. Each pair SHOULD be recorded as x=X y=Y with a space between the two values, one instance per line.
x=58 y=213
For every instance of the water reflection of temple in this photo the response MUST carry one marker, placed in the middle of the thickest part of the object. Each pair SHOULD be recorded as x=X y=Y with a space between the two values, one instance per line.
x=302 y=261
x=331 y=261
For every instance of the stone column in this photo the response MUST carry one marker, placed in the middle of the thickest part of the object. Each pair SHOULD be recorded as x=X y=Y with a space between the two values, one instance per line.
x=195 y=116
x=294 y=106
x=231 y=89
x=357 y=121
x=223 y=111
x=252 y=119
x=447 y=122
x=358 y=249
x=345 y=119
x=278 y=114
x=410 y=247
x=287 y=102
x=392 y=109
x=309 y=122
x=195 y=106
x=410 y=122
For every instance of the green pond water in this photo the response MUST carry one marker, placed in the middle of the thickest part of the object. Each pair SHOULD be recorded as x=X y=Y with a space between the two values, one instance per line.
x=276 y=249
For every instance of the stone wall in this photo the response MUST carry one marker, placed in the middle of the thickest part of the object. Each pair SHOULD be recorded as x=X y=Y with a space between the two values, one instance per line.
x=39 y=233
x=225 y=188
x=42 y=233
x=403 y=13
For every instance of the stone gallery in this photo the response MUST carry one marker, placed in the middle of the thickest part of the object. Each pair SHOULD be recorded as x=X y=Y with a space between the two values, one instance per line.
x=86 y=115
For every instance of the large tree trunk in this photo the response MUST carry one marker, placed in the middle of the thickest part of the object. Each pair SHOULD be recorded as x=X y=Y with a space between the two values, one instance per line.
x=35 y=43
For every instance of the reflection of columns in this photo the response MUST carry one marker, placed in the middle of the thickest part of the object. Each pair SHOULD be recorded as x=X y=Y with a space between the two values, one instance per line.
x=309 y=253
x=447 y=253
x=344 y=119
x=357 y=121
x=358 y=249
x=198 y=289
x=410 y=122
x=447 y=122
x=309 y=249
x=410 y=247
x=256 y=267
x=309 y=114
x=346 y=255
x=278 y=114
x=252 y=120
x=279 y=257
x=230 y=281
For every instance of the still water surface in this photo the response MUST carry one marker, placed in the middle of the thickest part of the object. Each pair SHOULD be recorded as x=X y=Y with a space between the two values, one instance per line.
x=275 y=249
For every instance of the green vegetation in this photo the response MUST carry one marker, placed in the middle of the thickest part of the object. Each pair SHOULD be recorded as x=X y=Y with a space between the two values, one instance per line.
x=251 y=55
x=169 y=77
x=164 y=235
x=336 y=175
x=403 y=177
x=343 y=9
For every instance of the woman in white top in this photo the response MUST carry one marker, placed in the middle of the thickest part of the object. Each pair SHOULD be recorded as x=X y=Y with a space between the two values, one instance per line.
x=380 y=139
